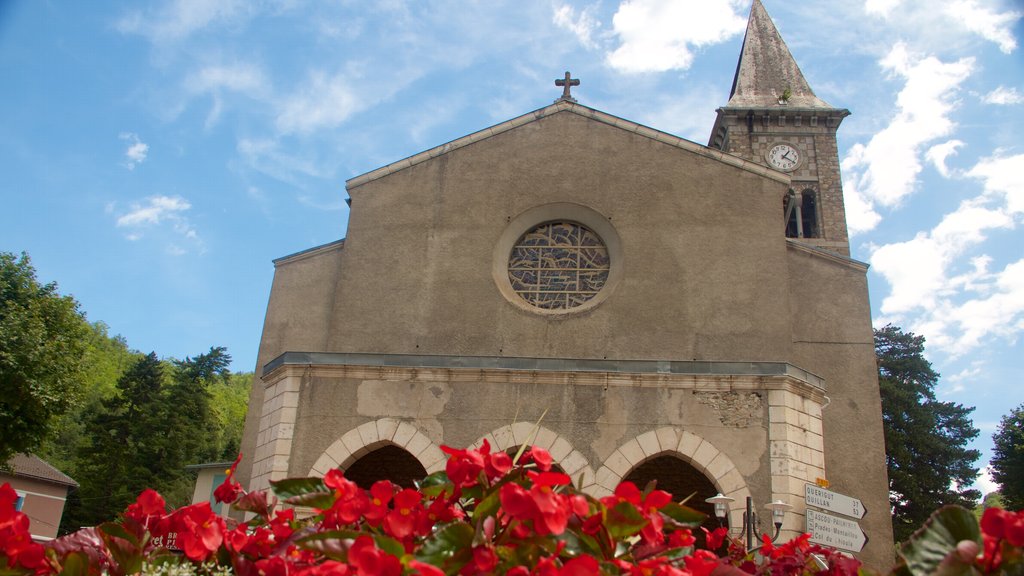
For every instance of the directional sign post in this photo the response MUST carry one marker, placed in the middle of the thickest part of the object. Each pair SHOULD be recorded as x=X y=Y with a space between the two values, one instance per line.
x=833 y=501
x=836 y=532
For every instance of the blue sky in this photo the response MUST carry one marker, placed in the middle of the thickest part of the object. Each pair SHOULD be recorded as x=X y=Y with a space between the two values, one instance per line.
x=156 y=156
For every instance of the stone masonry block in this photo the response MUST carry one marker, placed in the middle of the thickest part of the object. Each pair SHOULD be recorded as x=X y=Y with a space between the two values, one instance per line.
x=521 y=432
x=668 y=438
x=618 y=464
x=777 y=397
x=648 y=442
x=587 y=475
x=731 y=482
x=338 y=452
x=431 y=456
x=323 y=465
x=386 y=428
x=573 y=463
x=418 y=444
x=354 y=442
x=720 y=466
x=368 y=433
x=606 y=478
x=688 y=444
x=403 y=434
x=503 y=437
x=704 y=455
x=545 y=438
x=560 y=449
x=632 y=451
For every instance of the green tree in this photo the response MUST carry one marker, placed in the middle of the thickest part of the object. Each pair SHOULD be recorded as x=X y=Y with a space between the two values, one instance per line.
x=105 y=360
x=122 y=457
x=1008 y=458
x=42 y=342
x=926 y=440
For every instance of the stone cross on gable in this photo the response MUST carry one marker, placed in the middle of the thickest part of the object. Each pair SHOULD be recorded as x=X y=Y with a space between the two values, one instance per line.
x=566 y=84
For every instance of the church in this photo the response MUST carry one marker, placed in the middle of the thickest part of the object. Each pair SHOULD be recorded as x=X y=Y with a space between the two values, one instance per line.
x=666 y=310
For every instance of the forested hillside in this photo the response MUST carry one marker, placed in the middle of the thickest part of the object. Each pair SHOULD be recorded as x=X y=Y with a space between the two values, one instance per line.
x=115 y=419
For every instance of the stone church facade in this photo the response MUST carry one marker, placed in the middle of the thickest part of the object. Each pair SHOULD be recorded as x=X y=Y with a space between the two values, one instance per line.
x=666 y=310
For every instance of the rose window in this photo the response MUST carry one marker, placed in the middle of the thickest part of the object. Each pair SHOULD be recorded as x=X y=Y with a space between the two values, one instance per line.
x=558 y=265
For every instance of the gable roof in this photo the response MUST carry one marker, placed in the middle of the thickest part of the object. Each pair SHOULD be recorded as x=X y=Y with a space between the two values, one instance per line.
x=31 y=466
x=766 y=68
x=574 y=108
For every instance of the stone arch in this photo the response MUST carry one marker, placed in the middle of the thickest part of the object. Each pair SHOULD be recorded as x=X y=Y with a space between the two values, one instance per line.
x=375 y=434
x=572 y=461
x=688 y=447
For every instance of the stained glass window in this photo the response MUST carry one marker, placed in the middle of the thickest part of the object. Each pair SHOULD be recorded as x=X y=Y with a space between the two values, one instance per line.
x=558 y=265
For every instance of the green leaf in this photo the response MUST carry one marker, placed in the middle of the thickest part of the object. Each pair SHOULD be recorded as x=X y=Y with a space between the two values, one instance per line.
x=331 y=544
x=448 y=547
x=304 y=492
x=932 y=549
x=624 y=520
x=488 y=506
x=435 y=484
x=389 y=545
x=75 y=564
x=112 y=529
x=684 y=514
x=289 y=487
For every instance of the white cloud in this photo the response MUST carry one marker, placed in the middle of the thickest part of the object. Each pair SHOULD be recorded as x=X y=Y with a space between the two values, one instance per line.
x=958 y=303
x=656 y=36
x=157 y=211
x=958 y=382
x=247 y=79
x=880 y=7
x=323 y=102
x=884 y=171
x=1003 y=178
x=136 y=152
x=1004 y=95
x=990 y=25
x=583 y=26
x=266 y=156
x=937 y=155
x=241 y=77
x=180 y=18
x=985 y=483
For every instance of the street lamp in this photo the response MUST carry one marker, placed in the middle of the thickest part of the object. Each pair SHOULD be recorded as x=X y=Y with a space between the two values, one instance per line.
x=778 y=509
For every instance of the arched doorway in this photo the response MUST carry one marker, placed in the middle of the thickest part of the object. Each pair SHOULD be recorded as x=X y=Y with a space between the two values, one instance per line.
x=388 y=462
x=680 y=479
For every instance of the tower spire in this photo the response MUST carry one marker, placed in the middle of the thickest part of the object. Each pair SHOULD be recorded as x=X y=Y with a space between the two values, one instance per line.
x=766 y=71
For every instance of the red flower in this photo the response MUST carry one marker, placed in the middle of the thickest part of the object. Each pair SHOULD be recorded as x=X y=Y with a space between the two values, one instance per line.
x=715 y=538
x=401 y=521
x=581 y=566
x=147 y=507
x=350 y=500
x=539 y=456
x=464 y=466
x=484 y=561
x=424 y=569
x=701 y=563
x=230 y=489
x=200 y=531
x=369 y=561
x=497 y=464
x=380 y=495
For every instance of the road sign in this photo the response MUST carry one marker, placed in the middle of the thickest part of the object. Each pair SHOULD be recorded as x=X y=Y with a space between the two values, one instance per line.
x=835 y=532
x=833 y=501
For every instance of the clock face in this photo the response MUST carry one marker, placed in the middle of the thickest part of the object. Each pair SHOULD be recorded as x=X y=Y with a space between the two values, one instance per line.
x=784 y=157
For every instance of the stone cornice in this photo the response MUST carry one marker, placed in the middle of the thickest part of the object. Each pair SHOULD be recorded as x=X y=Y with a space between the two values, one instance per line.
x=698 y=376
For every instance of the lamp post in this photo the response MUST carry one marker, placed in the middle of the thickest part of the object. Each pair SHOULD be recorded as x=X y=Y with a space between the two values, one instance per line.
x=778 y=509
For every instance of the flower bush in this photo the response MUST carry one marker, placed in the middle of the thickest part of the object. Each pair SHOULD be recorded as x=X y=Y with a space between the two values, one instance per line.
x=487 y=513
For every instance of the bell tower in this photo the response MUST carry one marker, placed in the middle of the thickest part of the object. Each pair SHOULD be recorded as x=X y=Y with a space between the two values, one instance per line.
x=774 y=118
